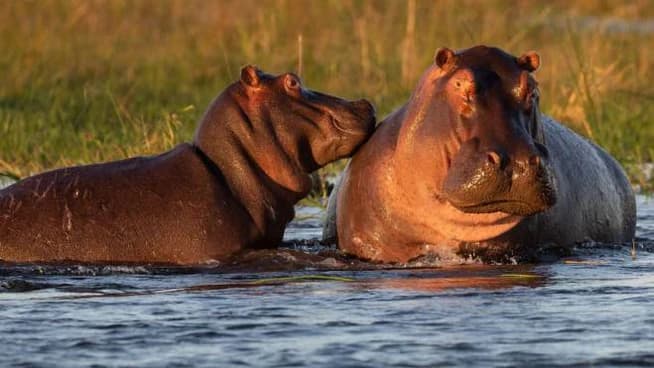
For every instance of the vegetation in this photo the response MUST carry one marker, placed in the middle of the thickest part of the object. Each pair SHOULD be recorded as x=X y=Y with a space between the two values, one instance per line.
x=89 y=81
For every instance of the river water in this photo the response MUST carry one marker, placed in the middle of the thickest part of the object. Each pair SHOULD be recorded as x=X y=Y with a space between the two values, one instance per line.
x=309 y=306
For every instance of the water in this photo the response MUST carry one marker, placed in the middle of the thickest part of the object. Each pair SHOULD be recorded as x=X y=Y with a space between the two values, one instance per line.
x=596 y=308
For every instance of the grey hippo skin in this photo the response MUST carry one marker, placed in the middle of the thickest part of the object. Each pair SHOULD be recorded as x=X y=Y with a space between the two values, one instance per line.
x=233 y=188
x=470 y=167
x=595 y=201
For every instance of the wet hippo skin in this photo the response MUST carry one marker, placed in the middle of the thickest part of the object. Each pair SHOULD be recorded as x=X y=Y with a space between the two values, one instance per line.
x=470 y=167
x=232 y=188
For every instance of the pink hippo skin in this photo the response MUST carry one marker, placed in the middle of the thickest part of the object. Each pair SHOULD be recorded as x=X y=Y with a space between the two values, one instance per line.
x=470 y=167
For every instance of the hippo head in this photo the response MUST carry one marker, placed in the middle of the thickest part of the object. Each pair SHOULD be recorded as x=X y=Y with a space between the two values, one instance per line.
x=313 y=128
x=484 y=108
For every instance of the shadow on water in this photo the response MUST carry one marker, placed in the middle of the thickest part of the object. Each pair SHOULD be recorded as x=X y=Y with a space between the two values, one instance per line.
x=484 y=277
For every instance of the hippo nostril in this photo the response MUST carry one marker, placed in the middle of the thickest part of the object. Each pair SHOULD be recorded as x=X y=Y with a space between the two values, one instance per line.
x=494 y=158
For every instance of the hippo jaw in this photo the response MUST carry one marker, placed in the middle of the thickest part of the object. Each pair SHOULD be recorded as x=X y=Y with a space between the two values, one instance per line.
x=514 y=207
x=522 y=190
x=363 y=125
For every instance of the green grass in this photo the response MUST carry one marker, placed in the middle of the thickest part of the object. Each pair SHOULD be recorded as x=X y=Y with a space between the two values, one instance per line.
x=88 y=81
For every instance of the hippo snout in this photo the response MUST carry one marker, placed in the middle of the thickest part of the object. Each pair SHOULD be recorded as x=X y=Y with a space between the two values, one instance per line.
x=364 y=107
x=358 y=119
x=366 y=111
x=481 y=181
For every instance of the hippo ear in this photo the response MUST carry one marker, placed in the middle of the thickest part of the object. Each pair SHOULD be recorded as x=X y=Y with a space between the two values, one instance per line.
x=250 y=76
x=523 y=86
x=529 y=61
x=443 y=57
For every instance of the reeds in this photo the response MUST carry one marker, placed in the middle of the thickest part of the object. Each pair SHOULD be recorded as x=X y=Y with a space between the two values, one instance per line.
x=86 y=81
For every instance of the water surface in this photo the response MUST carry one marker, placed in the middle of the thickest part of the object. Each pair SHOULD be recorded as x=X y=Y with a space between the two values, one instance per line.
x=308 y=306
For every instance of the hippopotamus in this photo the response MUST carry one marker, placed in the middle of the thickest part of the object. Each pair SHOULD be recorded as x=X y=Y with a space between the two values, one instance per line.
x=470 y=167
x=232 y=188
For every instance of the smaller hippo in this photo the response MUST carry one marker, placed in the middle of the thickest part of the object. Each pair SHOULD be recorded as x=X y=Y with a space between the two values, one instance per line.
x=470 y=167
x=233 y=188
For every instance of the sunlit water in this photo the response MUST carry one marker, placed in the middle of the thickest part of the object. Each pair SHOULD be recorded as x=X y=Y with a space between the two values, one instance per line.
x=596 y=308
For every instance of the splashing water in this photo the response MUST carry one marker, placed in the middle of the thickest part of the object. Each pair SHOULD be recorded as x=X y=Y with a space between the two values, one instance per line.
x=307 y=305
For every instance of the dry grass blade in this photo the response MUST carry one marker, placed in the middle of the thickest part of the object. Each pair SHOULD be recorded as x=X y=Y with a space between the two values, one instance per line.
x=87 y=81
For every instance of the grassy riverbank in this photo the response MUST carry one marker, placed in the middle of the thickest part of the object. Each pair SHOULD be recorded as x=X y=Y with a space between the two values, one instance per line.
x=87 y=81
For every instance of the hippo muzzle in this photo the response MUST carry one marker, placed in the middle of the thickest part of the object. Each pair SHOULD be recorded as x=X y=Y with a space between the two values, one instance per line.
x=481 y=181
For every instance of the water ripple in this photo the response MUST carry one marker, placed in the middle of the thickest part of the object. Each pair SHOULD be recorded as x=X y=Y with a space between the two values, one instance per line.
x=595 y=311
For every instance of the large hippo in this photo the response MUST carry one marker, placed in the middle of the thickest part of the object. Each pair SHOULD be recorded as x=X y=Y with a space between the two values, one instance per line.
x=470 y=167
x=234 y=187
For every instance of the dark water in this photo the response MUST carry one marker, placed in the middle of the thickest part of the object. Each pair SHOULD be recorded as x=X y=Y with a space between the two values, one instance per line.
x=596 y=308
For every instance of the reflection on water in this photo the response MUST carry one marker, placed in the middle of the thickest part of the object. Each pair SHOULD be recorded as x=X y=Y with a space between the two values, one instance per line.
x=312 y=307
x=494 y=279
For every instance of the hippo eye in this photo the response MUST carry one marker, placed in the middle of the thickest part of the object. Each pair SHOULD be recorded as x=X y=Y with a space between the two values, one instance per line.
x=292 y=82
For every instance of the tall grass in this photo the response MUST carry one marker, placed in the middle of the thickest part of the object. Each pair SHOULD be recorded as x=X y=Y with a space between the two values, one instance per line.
x=88 y=81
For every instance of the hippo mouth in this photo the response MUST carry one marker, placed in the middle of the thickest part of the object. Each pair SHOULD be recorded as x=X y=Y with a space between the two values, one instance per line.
x=339 y=126
x=527 y=189
x=520 y=207
x=511 y=207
